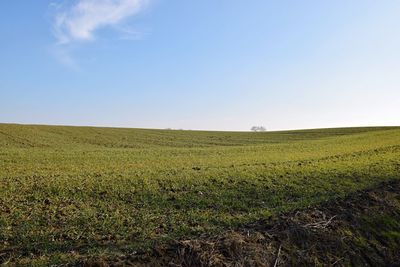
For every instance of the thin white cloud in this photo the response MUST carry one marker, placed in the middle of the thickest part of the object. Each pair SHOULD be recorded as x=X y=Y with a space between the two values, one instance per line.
x=63 y=56
x=127 y=33
x=79 y=21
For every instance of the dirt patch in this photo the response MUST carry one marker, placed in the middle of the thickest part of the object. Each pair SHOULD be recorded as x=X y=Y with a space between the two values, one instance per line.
x=362 y=229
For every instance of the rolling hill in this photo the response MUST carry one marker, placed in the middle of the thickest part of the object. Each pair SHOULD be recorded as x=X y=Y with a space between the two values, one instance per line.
x=70 y=193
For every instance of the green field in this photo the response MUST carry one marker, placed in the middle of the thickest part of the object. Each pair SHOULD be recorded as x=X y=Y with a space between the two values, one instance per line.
x=71 y=192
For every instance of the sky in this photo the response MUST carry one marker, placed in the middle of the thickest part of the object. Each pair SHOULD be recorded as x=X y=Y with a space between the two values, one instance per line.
x=200 y=65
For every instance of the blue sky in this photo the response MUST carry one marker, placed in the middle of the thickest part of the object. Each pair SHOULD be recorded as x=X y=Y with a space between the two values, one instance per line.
x=213 y=65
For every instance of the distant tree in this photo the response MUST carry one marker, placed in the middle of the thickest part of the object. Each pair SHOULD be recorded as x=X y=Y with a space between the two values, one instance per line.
x=258 y=129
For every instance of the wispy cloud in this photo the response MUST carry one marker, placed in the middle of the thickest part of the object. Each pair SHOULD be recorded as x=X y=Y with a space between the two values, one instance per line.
x=63 y=55
x=80 y=20
x=76 y=21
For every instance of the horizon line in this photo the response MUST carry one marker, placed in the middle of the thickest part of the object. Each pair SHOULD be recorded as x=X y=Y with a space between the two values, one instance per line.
x=194 y=130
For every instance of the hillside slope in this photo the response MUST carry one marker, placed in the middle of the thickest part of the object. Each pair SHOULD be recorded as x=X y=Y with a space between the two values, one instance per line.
x=14 y=135
x=72 y=192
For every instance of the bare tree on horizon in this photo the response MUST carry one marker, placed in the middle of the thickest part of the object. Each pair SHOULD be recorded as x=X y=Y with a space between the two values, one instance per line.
x=258 y=129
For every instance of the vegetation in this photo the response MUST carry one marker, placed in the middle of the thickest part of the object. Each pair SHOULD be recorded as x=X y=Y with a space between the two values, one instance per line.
x=72 y=192
x=361 y=229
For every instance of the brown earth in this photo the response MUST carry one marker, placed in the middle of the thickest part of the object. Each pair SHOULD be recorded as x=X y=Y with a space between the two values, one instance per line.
x=362 y=229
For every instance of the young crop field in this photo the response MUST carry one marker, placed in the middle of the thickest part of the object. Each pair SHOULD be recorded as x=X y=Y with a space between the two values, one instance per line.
x=68 y=193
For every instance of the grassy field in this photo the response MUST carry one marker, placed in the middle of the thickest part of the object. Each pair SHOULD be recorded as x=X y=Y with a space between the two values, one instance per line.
x=69 y=192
